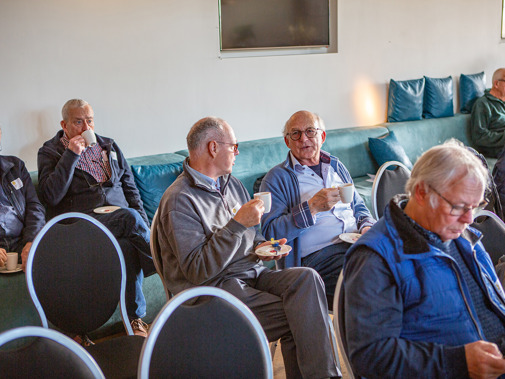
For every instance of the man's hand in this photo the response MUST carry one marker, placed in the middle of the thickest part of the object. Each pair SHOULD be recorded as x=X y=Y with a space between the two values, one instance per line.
x=77 y=144
x=365 y=229
x=250 y=213
x=24 y=255
x=484 y=360
x=324 y=200
x=3 y=257
x=282 y=241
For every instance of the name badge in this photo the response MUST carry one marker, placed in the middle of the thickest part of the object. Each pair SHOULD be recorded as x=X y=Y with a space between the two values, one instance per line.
x=113 y=155
x=18 y=183
x=235 y=209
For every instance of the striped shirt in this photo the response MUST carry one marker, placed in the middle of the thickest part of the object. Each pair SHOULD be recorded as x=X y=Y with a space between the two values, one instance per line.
x=93 y=160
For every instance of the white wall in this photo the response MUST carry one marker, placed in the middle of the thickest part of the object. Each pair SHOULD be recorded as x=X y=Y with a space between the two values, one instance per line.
x=151 y=68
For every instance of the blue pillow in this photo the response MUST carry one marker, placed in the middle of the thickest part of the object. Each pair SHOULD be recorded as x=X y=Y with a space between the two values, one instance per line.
x=387 y=149
x=405 y=100
x=471 y=87
x=438 y=95
x=152 y=181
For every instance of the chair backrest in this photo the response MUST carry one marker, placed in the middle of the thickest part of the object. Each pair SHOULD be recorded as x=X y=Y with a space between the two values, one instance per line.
x=388 y=183
x=215 y=337
x=493 y=233
x=35 y=352
x=339 y=323
x=76 y=274
x=156 y=253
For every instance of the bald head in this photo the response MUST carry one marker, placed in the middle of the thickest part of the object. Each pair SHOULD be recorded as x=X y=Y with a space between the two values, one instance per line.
x=303 y=117
x=498 y=74
x=498 y=85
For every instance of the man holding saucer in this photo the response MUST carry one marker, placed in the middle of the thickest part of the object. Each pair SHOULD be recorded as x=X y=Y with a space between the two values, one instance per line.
x=75 y=176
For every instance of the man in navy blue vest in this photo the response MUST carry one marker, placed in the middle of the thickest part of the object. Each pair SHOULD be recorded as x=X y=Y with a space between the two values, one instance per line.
x=422 y=298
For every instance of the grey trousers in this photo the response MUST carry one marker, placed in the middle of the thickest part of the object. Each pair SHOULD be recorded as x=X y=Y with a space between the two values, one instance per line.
x=291 y=305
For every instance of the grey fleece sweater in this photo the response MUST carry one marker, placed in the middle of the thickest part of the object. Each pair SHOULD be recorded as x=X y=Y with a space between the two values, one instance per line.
x=200 y=242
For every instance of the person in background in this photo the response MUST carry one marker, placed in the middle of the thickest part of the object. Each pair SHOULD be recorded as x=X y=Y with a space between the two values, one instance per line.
x=74 y=177
x=306 y=206
x=208 y=237
x=421 y=296
x=22 y=215
x=487 y=123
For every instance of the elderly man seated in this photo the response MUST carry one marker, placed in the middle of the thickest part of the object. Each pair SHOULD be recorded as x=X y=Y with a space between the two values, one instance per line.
x=306 y=205
x=421 y=296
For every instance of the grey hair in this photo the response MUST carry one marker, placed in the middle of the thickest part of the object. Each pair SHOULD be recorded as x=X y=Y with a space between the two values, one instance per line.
x=203 y=131
x=71 y=104
x=443 y=165
x=318 y=121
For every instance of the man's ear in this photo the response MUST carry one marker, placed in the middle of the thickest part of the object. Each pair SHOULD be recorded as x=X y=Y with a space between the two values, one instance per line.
x=421 y=195
x=212 y=148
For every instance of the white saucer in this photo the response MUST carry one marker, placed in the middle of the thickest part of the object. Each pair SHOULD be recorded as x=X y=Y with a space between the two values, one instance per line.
x=107 y=209
x=3 y=270
x=349 y=237
x=269 y=251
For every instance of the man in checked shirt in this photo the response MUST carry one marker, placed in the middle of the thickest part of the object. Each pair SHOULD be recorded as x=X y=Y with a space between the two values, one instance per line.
x=74 y=177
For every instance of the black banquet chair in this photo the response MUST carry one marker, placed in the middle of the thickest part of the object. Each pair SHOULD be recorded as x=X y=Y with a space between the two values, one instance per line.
x=76 y=277
x=493 y=233
x=387 y=184
x=214 y=336
x=35 y=352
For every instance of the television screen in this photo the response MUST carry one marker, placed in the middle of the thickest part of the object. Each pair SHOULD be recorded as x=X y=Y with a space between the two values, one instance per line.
x=262 y=24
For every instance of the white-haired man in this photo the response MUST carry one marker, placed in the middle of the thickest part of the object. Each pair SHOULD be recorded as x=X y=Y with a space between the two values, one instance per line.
x=421 y=295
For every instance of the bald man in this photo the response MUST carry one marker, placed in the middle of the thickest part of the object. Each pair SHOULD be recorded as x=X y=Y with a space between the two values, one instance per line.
x=487 y=124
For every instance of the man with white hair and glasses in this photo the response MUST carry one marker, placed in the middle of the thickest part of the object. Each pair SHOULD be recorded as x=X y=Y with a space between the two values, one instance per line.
x=306 y=204
x=422 y=298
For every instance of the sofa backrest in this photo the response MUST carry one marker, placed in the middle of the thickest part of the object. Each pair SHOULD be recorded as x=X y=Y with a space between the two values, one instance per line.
x=418 y=136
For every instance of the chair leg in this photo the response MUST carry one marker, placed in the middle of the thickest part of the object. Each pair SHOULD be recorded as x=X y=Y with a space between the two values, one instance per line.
x=334 y=344
x=273 y=347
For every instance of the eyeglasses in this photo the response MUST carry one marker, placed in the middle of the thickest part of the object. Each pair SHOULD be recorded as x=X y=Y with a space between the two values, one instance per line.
x=297 y=134
x=235 y=145
x=460 y=210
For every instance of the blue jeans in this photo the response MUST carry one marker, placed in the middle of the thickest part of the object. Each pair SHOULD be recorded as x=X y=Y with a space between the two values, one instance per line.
x=328 y=263
x=133 y=237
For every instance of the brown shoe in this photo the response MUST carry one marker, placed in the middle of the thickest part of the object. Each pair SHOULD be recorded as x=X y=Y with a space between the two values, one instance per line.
x=139 y=327
x=83 y=340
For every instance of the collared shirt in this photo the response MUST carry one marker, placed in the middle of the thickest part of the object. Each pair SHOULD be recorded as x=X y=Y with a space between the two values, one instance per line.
x=327 y=225
x=93 y=160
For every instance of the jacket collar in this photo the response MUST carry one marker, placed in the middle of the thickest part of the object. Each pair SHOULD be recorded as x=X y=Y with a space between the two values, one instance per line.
x=413 y=241
x=5 y=166
x=197 y=180
x=324 y=157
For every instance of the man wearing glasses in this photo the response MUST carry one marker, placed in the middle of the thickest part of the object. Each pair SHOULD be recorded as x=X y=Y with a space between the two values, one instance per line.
x=487 y=124
x=74 y=177
x=208 y=236
x=421 y=296
x=306 y=206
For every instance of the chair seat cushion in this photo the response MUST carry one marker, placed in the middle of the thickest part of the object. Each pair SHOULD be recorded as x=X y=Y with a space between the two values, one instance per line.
x=118 y=357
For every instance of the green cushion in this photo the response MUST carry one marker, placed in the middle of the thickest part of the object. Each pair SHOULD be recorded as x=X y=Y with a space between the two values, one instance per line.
x=387 y=149
x=152 y=181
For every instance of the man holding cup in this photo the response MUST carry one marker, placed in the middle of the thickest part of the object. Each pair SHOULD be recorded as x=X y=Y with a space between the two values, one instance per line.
x=313 y=201
x=83 y=172
x=208 y=236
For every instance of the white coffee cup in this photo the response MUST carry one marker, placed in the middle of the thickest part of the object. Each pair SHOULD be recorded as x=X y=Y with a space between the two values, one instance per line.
x=12 y=261
x=90 y=137
x=266 y=197
x=346 y=192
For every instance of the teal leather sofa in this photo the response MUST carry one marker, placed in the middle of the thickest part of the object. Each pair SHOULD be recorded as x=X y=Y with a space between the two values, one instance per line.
x=154 y=173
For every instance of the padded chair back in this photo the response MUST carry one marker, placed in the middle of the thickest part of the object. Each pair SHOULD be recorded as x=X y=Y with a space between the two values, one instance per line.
x=339 y=322
x=215 y=337
x=388 y=183
x=76 y=274
x=493 y=233
x=156 y=253
x=35 y=352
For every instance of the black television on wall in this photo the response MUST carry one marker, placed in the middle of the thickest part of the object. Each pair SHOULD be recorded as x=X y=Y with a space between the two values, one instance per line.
x=270 y=24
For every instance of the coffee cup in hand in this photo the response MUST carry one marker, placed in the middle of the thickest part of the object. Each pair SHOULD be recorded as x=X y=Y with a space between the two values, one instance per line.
x=346 y=192
x=12 y=261
x=266 y=197
x=90 y=137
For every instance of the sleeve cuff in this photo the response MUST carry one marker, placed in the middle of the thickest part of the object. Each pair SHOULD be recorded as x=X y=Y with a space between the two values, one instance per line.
x=453 y=357
x=302 y=216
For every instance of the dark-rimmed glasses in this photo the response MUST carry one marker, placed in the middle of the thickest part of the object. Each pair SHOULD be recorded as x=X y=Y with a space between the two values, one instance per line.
x=297 y=134
x=235 y=145
x=460 y=210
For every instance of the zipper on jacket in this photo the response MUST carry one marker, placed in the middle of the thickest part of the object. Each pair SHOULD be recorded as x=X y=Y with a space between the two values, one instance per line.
x=14 y=201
